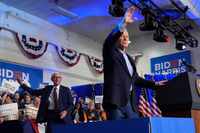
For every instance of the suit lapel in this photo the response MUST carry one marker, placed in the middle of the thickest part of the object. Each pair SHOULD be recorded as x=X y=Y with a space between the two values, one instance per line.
x=49 y=90
x=122 y=61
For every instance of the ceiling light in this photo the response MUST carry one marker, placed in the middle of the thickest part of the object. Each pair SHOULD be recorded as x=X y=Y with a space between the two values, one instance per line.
x=148 y=24
x=116 y=9
x=159 y=35
x=180 y=44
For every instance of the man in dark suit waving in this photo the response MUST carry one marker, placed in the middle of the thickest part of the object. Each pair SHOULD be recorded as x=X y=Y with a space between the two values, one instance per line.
x=56 y=102
x=120 y=75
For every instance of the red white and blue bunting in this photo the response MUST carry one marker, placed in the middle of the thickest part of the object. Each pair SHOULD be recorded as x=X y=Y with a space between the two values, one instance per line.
x=69 y=56
x=32 y=46
x=35 y=48
x=97 y=64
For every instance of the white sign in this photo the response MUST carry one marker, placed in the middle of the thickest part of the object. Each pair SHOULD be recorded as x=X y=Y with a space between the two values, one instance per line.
x=98 y=99
x=31 y=111
x=9 y=111
x=10 y=86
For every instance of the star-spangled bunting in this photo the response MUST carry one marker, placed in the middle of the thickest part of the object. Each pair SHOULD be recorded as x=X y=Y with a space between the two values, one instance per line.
x=32 y=46
x=96 y=64
x=69 y=56
x=35 y=48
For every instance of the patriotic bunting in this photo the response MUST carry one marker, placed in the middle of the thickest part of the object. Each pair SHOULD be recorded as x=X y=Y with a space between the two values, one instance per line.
x=97 y=64
x=69 y=56
x=33 y=47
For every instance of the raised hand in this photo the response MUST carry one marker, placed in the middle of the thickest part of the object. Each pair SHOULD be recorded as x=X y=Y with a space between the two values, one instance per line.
x=128 y=17
x=18 y=78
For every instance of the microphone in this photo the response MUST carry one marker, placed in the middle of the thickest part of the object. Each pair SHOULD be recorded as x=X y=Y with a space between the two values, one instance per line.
x=189 y=66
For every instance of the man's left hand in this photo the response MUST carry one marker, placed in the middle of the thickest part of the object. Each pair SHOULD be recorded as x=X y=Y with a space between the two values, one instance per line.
x=161 y=83
x=63 y=114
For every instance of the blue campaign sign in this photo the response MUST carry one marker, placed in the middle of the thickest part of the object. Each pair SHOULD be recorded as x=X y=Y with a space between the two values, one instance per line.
x=88 y=90
x=9 y=71
x=171 y=64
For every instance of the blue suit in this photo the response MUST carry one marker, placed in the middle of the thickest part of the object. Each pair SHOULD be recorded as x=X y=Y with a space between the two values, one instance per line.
x=65 y=101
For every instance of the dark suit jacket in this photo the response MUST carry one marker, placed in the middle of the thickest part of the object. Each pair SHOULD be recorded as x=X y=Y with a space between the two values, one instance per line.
x=117 y=80
x=65 y=101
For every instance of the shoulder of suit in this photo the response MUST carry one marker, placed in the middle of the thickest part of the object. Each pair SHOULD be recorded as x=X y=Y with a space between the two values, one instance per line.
x=48 y=86
x=65 y=87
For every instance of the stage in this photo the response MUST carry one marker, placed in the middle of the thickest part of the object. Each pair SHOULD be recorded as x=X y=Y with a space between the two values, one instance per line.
x=145 y=125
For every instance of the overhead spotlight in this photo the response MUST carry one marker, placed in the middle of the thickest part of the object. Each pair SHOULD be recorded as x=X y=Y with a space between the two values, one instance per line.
x=193 y=43
x=148 y=24
x=180 y=43
x=159 y=35
x=116 y=9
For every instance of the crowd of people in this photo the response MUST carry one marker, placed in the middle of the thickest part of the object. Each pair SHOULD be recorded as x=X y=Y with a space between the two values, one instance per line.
x=24 y=101
x=82 y=112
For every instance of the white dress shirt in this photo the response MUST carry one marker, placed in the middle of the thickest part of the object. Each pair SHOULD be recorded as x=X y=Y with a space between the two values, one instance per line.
x=51 y=98
x=128 y=64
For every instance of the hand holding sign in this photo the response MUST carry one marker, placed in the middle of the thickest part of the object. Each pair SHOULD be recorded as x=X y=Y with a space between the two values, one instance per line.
x=10 y=86
x=9 y=111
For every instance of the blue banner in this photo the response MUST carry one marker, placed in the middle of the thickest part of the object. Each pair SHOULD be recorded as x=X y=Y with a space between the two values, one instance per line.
x=172 y=125
x=9 y=71
x=171 y=64
x=89 y=90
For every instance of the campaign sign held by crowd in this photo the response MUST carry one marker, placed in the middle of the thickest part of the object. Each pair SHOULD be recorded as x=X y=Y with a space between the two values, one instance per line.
x=9 y=72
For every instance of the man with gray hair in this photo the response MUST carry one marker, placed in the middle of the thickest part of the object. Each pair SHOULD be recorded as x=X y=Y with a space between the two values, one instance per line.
x=56 y=102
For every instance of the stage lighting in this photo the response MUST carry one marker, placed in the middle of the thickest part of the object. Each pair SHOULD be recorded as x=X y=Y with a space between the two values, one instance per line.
x=193 y=43
x=148 y=24
x=159 y=35
x=116 y=9
x=180 y=44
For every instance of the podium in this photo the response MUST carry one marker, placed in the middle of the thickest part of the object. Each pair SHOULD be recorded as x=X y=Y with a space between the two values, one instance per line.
x=179 y=96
